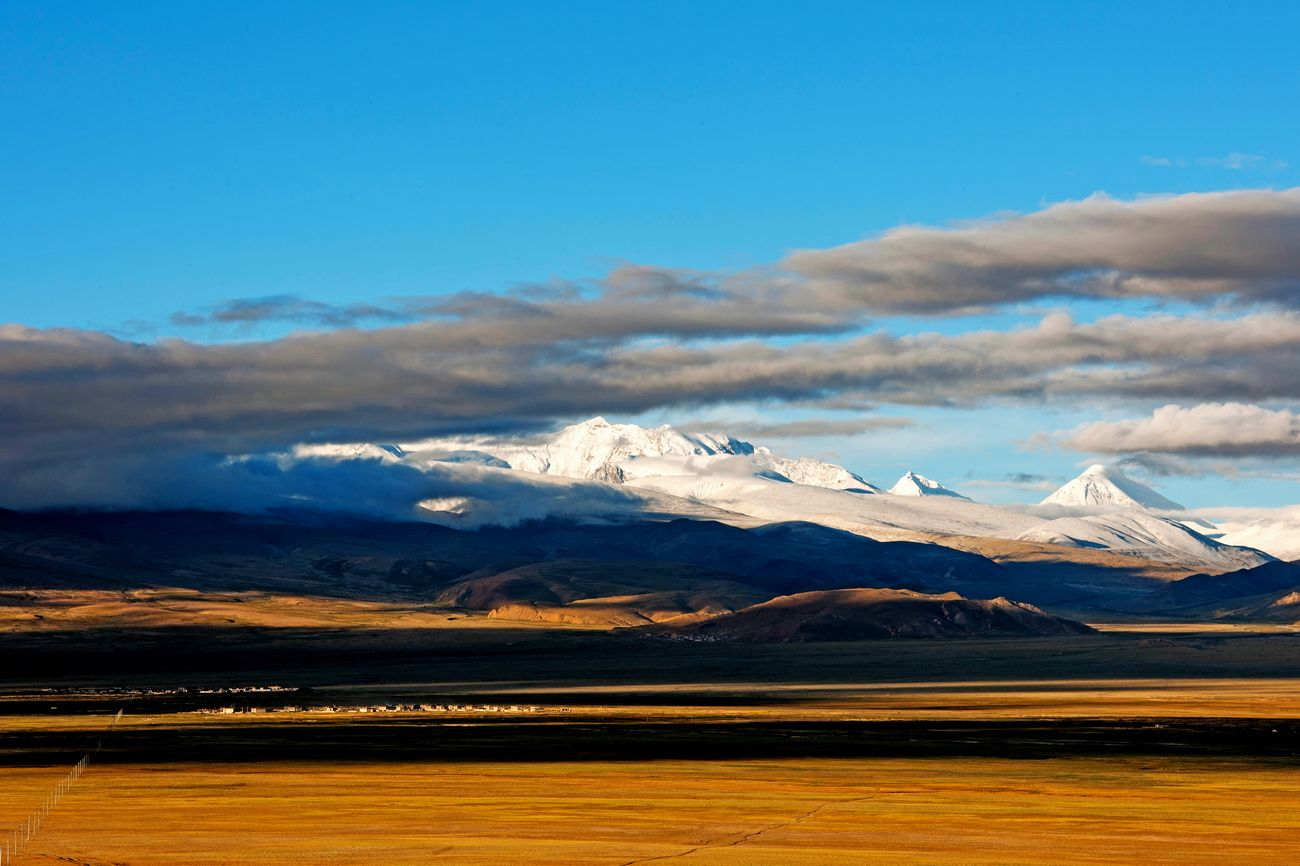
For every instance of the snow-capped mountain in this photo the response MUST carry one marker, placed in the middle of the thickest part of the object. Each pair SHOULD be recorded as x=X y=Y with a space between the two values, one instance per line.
x=912 y=484
x=1140 y=533
x=1098 y=486
x=600 y=451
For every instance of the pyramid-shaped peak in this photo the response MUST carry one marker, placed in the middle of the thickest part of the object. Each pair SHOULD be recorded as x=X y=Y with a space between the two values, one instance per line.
x=1100 y=486
x=914 y=484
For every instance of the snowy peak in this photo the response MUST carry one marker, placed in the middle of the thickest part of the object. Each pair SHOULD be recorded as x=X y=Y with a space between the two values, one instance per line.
x=1099 y=486
x=597 y=450
x=600 y=450
x=912 y=484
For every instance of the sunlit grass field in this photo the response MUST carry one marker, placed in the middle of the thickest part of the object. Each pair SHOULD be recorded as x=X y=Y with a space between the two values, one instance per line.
x=876 y=811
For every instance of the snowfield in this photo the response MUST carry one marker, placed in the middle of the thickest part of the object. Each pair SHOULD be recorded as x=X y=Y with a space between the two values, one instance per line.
x=1278 y=534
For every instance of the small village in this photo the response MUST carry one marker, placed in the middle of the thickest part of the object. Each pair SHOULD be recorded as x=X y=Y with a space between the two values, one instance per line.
x=156 y=691
x=385 y=708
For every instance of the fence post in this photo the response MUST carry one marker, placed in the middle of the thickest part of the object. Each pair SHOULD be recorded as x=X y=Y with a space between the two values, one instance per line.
x=17 y=838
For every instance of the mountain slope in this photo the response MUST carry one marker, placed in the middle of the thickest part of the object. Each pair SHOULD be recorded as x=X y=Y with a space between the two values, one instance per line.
x=1100 y=486
x=587 y=592
x=1139 y=533
x=1231 y=587
x=335 y=554
x=912 y=484
x=779 y=558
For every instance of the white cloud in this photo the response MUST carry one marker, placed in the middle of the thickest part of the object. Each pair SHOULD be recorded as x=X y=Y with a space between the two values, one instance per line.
x=1209 y=429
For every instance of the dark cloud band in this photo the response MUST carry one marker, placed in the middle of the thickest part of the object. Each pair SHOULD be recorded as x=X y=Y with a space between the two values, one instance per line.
x=1238 y=245
x=646 y=338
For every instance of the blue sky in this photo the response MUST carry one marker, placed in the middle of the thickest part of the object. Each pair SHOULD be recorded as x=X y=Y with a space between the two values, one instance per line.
x=167 y=157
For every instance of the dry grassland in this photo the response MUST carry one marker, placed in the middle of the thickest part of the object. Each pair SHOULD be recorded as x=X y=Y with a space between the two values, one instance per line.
x=33 y=612
x=881 y=811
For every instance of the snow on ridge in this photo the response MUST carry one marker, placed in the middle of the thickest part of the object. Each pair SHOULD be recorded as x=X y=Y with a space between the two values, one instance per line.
x=815 y=473
x=1141 y=533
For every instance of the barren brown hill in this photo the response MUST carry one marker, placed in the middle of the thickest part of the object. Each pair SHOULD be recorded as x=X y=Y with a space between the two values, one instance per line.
x=864 y=614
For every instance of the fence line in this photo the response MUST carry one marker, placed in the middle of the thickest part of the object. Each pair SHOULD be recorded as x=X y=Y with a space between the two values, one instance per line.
x=13 y=842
